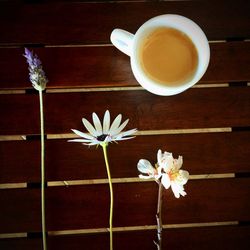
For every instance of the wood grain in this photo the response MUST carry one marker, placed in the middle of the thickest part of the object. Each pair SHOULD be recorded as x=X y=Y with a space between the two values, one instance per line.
x=72 y=67
x=56 y=25
x=230 y=238
x=73 y=23
x=78 y=207
x=195 y=108
x=206 y=153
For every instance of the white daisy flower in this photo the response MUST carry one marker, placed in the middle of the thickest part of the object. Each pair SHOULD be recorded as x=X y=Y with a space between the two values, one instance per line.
x=103 y=133
x=171 y=173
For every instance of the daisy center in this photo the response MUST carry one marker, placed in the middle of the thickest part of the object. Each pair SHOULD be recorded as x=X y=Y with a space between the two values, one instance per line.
x=101 y=137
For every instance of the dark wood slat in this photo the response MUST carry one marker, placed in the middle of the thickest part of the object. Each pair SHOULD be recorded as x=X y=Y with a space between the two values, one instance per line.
x=203 y=154
x=80 y=1
x=106 y=66
x=82 y=23
x=229 y=237
x=20 y=161
x=21 y=244
x=21 y=208
x=24 y=115
x=88 y=206
x=226 y=62
x=195 y=108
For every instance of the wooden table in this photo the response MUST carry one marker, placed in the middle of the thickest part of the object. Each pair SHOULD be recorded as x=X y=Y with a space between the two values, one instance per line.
x=208 y=124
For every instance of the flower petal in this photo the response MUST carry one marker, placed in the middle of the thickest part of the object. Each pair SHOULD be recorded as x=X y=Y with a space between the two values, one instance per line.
x=178 y=162
x=165 y=181
x=119 y=129
x=108 y=139
x=167 y=161
x=97 y=123
x=183 y=177
x=92 y=143
x=106 y=122
x=144 y=166
x=159 y=155
x=125 y=133
x=178 y=189
x=89 y=127
x=84 y=135
x=145 y=176
x=115 y=124
x=123 y=138
x=79 y=140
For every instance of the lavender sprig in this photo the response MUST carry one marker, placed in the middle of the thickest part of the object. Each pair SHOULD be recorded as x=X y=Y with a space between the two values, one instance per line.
x=39 y=81
x=37 y=75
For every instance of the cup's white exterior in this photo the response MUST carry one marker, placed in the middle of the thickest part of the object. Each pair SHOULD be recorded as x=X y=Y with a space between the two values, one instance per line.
x=128 y=44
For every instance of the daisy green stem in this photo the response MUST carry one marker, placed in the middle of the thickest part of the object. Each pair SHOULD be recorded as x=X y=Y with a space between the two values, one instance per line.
x=42 y=170
x=104 y=147
x=159 y=217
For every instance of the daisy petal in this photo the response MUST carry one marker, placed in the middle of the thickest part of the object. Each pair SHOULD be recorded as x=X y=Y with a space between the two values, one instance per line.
x=108 y=139
x=89 y=127
x=115 y=124
x=79 y=140
x=130 y=132
x=84 y=135
x=92 y=143
x=119 y=129
x=123 y=138
x=102 y=132
x=97 y=123
x=106 y=122
x=126 y=133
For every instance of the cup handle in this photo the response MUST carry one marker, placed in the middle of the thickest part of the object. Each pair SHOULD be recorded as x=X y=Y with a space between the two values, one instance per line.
x=122 y=40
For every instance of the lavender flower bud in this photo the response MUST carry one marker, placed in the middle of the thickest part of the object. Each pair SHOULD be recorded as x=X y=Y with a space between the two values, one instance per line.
x=37 y=75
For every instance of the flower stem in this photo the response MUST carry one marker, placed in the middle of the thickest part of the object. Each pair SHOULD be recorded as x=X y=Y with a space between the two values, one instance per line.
x=42 y=170
x=104 y=147
x=159 y=218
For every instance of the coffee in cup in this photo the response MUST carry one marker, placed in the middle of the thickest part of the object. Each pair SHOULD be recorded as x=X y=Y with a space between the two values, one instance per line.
x=168 y=53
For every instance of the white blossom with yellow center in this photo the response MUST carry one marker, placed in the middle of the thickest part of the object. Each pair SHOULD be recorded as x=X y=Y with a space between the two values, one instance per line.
x=167 y=171
x=172 y=175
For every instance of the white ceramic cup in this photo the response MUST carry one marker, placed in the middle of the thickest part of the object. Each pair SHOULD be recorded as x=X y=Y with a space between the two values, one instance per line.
x=129 y=44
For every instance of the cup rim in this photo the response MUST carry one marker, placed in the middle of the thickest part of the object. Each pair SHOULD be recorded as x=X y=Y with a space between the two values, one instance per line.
x=185 y=25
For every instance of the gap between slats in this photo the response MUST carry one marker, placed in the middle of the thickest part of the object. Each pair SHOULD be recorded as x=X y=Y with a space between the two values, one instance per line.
x=107 y=89
x=123 y=229
x=114 y=180
x=87 y=45
x=138 y=133
x=102 y=89
x=140 y=228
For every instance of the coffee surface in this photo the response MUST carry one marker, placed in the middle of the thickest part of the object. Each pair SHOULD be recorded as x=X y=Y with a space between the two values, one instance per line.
x=168 y=56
